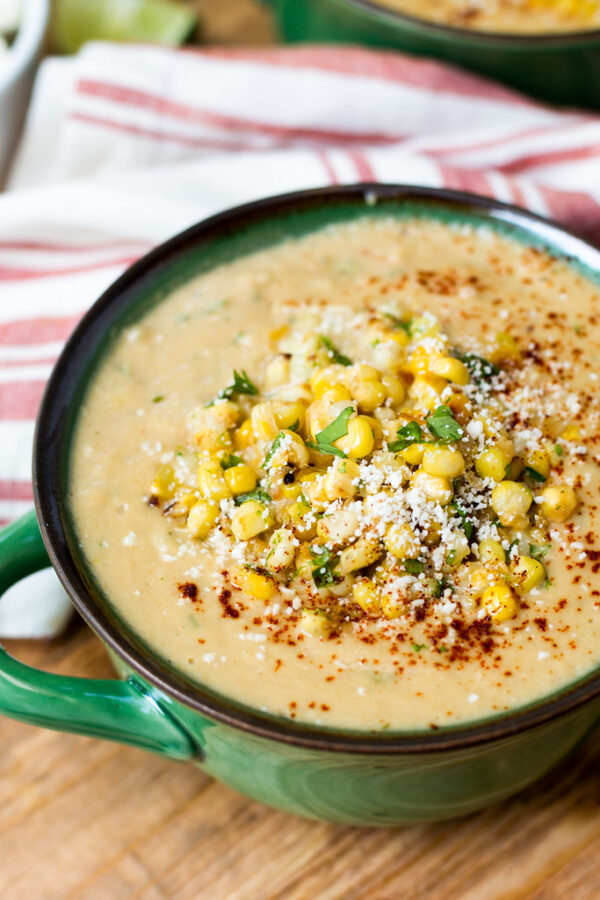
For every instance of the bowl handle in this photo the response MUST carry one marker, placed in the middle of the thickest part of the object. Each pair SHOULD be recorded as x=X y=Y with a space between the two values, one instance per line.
x=125 y=711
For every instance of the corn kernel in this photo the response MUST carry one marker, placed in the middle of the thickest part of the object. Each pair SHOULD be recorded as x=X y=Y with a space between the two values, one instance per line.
x=339 y=527
x=264 y=423
x=571 y=433
x=481 y=578
x=539 y=462
x=451 y=369
x=395 y=387
x=419 y=362
x=400 y=540
x=341 y=480
x=282 y=549
x=211 y=481
x=244 y=435
x=435 y=487
x=445 y=461
x=510 y=501
x=288 y=414
x=426 y=391
x=492 y=463
x=240 y=479
x=500 y=602
x=505 y=349
x=277 y=372
x=252 y=518
x=366 y=594
x=325 y=379
x=558 y=502
x=254 y=584
x=369 y=395
x=201 y=518
x=526 y=573
x=316 y=623
x=289 y=449
x=276 y=334
x=393 y=607
x=360 y=439
x=458 y=549
x=413 y=454
x=164 y=484
x=364 y=552
x=491 y=551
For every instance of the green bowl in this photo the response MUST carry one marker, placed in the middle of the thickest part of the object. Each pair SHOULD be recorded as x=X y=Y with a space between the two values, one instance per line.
x=354 y=777
x=560 y=68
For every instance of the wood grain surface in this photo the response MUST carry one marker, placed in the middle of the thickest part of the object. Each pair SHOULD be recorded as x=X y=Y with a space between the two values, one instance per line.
x=85 y=819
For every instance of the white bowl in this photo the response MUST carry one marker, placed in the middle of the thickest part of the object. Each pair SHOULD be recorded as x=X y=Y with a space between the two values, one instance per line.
x=16 y=76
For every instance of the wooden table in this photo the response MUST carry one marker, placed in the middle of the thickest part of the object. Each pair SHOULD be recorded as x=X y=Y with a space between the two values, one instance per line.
x=81 y=818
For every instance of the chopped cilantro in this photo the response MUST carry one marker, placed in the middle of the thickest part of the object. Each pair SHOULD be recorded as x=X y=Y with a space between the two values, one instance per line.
x=451 y=558
x=481 y=369
x=241 y=385
x=512 y=545
x=257 y=494
x=159 y=398
x=443 y=425
x=324 y=562
x=533 y=473
x=414 y=566
x=335 y=430
x=465 y=523
x=578 y=329
x=333 y=353
x=438 y=587
x=400 y=324
x=539 y=551
x=418 y=647
x=558 y=449
x=411 y=433
x=231 y=460
x=272 y=450
x=295 y=425
x=441 y=649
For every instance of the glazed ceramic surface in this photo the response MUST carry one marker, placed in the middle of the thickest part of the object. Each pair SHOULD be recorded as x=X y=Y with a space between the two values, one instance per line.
x=350 y=777
x=561 y=68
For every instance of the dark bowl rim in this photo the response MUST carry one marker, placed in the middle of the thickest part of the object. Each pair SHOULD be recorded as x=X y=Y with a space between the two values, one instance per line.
x=49 y=505
x=472 y=35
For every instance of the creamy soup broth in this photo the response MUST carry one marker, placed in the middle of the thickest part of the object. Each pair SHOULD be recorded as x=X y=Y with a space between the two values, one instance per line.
x=410 y=670
x=505 y=16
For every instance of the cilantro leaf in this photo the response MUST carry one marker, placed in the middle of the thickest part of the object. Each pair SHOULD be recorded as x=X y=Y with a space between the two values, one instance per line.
x=411 y=433
x=539 y=551
x=273 y=449
x=404 y=325
x=257 y=494
x=465 y=523
x=159 y=398
x=338 y=428
x=231 y=460
x=324 y=562
x=558 y=449
x=241 y=385
x=533 y=473
x=333 y=353
x=418 y=647
x=414 y=566
x=443 y=426
x=481 y=369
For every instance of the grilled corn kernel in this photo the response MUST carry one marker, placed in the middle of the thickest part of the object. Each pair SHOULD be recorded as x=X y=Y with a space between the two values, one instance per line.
x=316 y=623
x=392 y=607
x=366 y=594
x=500 y=602
x=282 y=550
x=252 y=518
x=339 y=527
x=539 y=462
x=369 y=395
x=451 y=369
x=426 y=391
x=164 y=484
x=458 y=549
x=444 y=461
x=288 y=414
x=289 y=450
x=240 y=479
x=325 y=379
x=395 y=387
x=526 y=573
x=364 y=552
x=360 y=439
x=277 y=372
x=211 y=481
x=420 y=360
x=481 y=578
x=491 y=551
x=244 y=435
x=413 y=454
x=505 y=349
x=264 y=422
x=558 y=502
x=201 y=518
x=510 y=502
x=571 y=433
x=254 y=584
x=435 y=487
x=400 y=540
x=492 y=463
x=341 y=480
x=291 y=491
x=225 y=413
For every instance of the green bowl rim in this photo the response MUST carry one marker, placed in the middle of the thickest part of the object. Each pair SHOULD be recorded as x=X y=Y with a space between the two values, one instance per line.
x=51 y=447
x=471 y=35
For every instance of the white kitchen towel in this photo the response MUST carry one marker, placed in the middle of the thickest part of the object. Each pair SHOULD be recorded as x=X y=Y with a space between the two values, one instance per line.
x=126 y=145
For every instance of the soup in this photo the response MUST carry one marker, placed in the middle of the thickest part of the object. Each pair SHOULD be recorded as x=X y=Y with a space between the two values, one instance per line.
x=352 y=479
x=505 y=16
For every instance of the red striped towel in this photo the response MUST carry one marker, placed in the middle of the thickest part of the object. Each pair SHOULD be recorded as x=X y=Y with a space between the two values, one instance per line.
x=126 y=145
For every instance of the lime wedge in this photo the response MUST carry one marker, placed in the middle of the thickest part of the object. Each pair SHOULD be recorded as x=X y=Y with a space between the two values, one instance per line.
x=140 y=21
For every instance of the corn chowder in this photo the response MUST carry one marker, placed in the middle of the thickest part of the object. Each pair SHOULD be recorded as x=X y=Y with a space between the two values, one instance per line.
x=353 y=479
x=505 y=16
